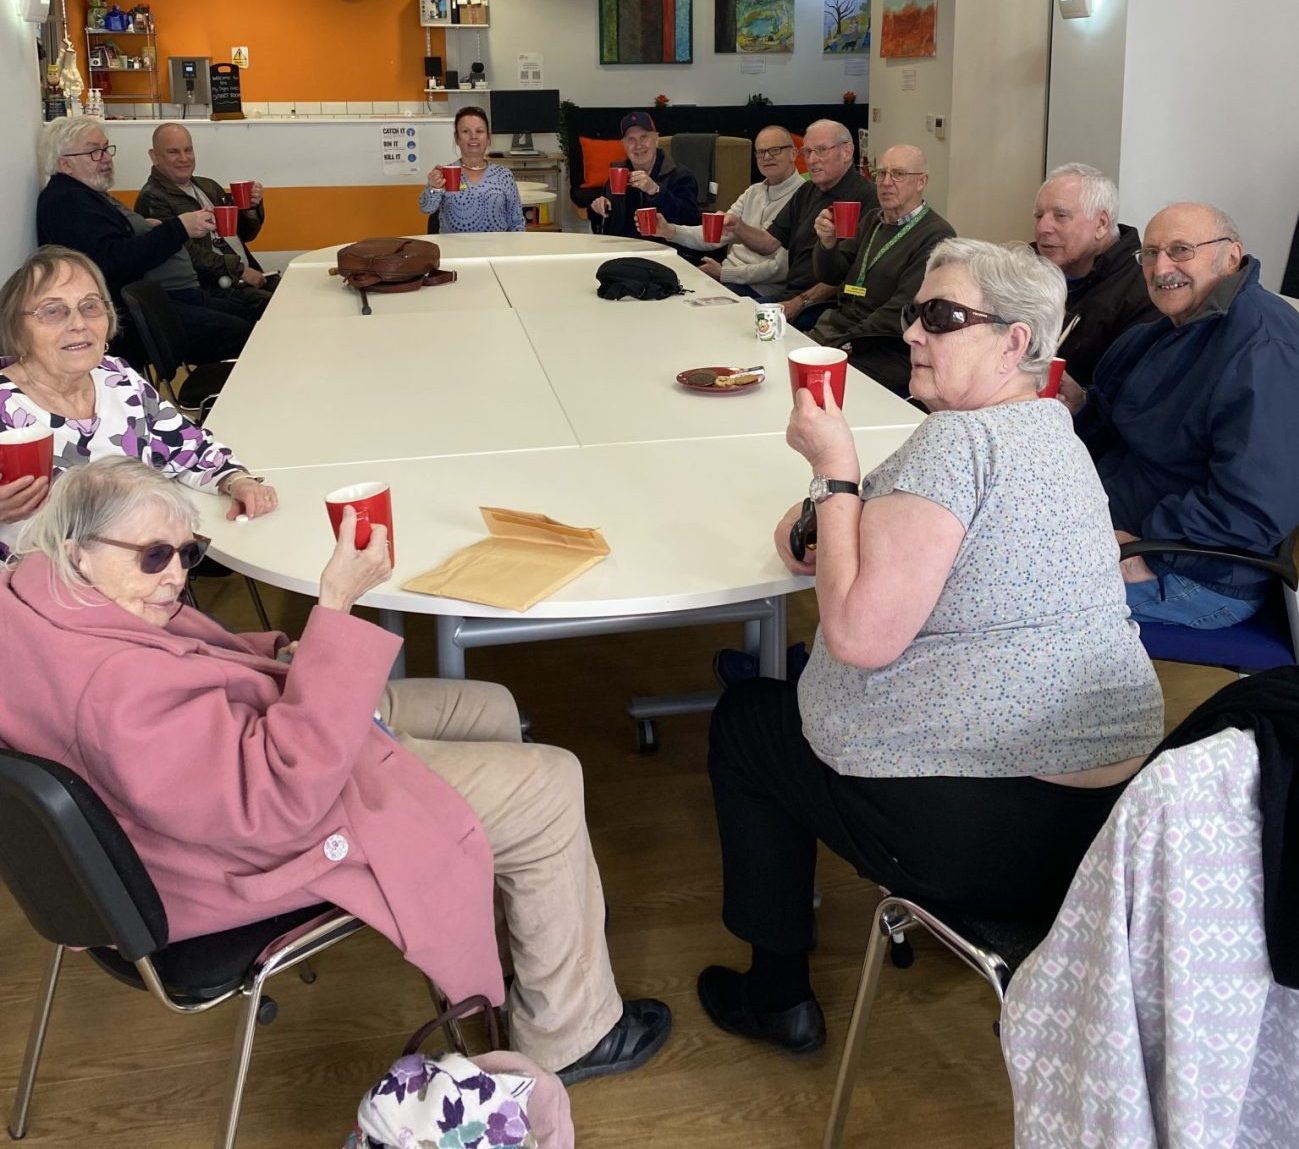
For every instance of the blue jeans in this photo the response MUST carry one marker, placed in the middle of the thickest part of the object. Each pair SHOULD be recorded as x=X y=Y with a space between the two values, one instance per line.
x=1174 y=599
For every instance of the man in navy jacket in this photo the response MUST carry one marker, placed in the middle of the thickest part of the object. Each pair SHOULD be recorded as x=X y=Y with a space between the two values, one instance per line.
x=655 y=181
x=1203 y=405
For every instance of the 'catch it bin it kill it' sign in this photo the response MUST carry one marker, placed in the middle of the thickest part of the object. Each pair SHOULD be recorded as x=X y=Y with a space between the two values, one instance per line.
x=399 y=150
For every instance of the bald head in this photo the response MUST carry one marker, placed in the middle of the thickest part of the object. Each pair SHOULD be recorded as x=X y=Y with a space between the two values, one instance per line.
x=173 y=153
x=900 y=180
x=1210 y=240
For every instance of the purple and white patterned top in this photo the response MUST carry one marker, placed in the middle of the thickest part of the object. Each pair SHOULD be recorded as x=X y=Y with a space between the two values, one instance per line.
x=130 y=419
x=491 y=204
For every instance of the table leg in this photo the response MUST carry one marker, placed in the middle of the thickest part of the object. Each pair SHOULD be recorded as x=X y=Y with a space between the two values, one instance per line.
x=451 y=655
x=771 y=642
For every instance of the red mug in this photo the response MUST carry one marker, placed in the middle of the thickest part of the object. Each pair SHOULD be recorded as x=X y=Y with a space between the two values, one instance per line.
x=373 y=505
x=1053 y=376
x=846 y=214
x=713 y=221
x=227 y=219
x=26 y=451
x=241 y=191
x=452 y=176
x=647 y=222
x=618 y=180
x=814 y=367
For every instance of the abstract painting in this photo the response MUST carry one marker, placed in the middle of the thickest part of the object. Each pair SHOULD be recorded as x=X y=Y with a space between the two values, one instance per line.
x=847 y=27
x=646 y=31
x=909 y=28
x=764 y=25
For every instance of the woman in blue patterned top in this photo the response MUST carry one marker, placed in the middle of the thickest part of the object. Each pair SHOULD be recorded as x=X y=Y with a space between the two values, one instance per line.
x=55 y=324
x=488 y=199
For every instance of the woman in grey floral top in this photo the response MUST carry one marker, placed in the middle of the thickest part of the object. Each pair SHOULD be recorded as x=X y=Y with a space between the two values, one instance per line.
x=55 y=324
x=977 y=696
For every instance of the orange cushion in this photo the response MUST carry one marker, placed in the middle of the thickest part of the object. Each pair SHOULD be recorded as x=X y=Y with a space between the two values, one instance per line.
x=799 y=162
x=597 y=155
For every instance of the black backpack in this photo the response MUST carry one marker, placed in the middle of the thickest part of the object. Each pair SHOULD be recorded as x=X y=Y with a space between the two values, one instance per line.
x=631 y=277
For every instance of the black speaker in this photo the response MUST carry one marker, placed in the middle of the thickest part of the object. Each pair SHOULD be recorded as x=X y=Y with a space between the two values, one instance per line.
x=453 y=79
x=433 y=67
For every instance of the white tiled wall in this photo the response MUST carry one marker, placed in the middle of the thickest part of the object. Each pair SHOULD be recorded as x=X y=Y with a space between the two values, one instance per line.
x=257 y=109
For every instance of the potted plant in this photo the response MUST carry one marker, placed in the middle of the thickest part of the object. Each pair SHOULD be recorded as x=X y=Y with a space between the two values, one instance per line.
x=661 y=101
x=758 y=100
x=850 y=97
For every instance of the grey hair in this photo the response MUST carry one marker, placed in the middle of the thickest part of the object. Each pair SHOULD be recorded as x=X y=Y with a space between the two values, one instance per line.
x=1017 y=284
x=90 y=500
x=1222 y=222
x=842 y=134
x=1096 y=191
x=21 y=288
x=58 y=136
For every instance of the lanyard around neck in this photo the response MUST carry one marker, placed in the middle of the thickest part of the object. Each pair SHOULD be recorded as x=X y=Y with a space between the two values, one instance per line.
x=868 y=262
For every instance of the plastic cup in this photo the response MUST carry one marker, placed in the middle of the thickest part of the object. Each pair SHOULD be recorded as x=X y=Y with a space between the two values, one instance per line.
x=227 y=219
x=241 y=191
x=647 y=222
x=1053 y=376
x=26 y=451
x=846 y=214
x=814 y=368
x=712 y=221
x=373 y=503
x=618 y=180
x=452 y=176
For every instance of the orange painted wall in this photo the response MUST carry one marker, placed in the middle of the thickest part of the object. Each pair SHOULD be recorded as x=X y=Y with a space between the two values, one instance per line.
x=298 y=49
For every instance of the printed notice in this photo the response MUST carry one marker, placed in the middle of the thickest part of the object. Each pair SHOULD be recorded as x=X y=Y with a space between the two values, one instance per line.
x=753 y=64
x=399 y=151
x=529 y=69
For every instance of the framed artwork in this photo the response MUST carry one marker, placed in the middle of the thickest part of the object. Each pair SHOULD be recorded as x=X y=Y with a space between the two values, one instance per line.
x=847 y=27
x=646 y=31
x=909 y=28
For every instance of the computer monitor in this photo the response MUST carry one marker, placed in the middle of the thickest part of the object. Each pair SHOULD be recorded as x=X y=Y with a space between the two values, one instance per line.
x=523 y=112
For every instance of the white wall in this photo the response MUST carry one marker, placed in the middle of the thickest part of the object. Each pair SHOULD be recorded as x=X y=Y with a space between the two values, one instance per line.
x=1210 y=97
x=19 y=129
x=566 y=33
x=1086 y=116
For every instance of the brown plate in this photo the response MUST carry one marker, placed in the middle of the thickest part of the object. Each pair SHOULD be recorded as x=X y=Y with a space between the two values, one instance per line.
x=702 y=381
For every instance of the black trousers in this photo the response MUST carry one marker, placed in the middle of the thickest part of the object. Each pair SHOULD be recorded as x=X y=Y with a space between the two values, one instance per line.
x=988 y=847
x=213 y=332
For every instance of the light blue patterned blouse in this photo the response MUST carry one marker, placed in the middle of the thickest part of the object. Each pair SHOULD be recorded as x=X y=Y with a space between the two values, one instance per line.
x=491 y=204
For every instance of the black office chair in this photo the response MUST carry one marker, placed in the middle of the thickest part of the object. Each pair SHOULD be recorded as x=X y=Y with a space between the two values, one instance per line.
x=162 y=335
x=434 y=225
x=80 y=882
x=1265 y=640
x=993 y=949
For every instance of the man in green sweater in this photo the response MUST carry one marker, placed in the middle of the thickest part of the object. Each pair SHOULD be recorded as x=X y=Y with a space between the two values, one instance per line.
x=880 y=269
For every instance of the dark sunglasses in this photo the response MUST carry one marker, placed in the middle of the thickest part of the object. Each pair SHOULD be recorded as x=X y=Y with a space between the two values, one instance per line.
x=939 y=316
x=155 y=557
x=802 y=535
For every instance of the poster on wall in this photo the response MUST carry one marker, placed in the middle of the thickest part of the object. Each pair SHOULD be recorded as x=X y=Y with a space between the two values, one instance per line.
x=399 y=150
x=646 y=31
x=753 y=26
x=909 y=29
x=847 y=27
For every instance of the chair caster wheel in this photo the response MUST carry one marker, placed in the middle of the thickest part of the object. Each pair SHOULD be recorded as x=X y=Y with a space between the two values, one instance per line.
x=267 y=1011
x=647 y=736
x=901 y=954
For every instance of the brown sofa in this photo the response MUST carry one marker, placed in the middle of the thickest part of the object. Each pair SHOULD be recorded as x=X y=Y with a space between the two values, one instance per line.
x=732 y=162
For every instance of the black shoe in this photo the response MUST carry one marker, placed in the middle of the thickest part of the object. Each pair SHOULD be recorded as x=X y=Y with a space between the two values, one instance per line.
x=731 y=666
x=724 y=995
x=638 y=1035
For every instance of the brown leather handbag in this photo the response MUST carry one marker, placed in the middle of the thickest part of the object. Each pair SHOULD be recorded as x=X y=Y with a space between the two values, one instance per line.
x=390 y=263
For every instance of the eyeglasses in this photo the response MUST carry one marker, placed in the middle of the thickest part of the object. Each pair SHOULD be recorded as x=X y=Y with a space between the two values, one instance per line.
x=156 y=557
x=897 y=175
x=95 y=154
x=939 y=316
x=825 y=150
x=772 y=153
x=1177 y=252
x=53 y=313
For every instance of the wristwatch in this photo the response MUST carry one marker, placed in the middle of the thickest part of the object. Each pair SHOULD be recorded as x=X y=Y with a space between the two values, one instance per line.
x=822 y=487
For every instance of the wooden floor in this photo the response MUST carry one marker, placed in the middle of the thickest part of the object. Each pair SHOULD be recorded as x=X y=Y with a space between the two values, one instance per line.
x=118 y=1073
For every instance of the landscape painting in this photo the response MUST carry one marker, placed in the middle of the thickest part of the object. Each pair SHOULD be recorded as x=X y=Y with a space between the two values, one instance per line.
x=909 y=29
x=847 y=27
x=646 y=31
x=764 y=25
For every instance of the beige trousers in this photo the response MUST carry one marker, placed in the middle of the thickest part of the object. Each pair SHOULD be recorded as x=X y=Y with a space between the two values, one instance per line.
x=529 y=800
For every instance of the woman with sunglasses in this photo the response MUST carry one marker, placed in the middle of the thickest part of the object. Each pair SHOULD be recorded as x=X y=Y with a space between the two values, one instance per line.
x=55 y=324
x=255 y=776
x=976 y=698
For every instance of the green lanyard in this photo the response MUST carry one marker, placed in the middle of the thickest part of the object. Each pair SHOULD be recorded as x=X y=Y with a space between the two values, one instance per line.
x=867 y=262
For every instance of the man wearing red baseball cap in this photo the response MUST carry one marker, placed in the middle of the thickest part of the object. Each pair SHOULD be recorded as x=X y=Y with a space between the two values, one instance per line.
x=655 y=181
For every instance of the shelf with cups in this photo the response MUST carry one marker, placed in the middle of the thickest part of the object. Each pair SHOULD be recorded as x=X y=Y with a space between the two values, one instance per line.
x=107 y=63
x=454 y=14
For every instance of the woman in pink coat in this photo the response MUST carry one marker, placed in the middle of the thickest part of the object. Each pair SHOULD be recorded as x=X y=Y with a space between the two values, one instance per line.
x=255 y=776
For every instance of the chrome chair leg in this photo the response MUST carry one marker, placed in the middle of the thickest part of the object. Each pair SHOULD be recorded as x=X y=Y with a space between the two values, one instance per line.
x=307 y=973
x=258 y=606
x=35 y=1043
x=883 y=926
x=245 y=1032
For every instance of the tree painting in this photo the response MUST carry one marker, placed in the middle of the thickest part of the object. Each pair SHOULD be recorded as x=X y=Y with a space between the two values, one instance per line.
x=847 y=26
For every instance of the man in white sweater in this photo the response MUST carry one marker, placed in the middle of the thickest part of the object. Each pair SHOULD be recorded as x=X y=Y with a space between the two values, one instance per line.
x=744 y=270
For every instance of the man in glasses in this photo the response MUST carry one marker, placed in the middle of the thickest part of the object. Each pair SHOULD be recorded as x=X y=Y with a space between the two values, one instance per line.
x=831 y=175
x=745 y=271
x=880 y=269
x=74 y=209
x=1201 y=408
x=225 y=267
x=1076 y=227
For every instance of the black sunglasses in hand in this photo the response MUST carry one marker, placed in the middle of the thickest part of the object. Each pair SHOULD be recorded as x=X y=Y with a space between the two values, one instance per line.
x=939 y=316
x=802 y=535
